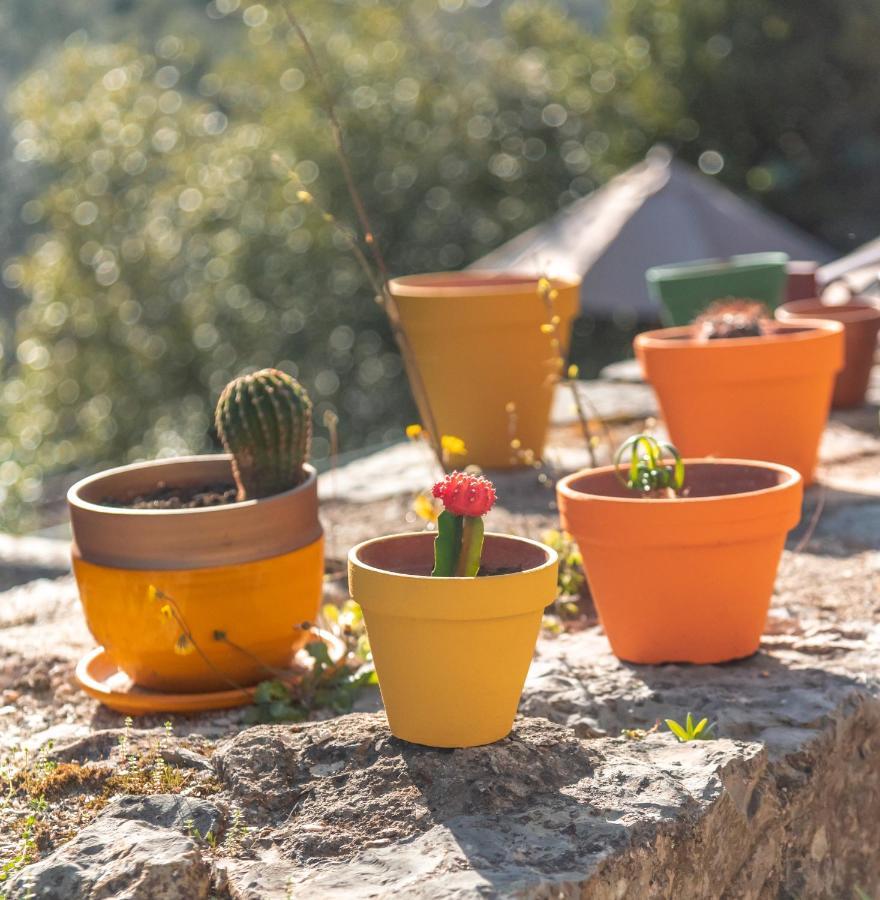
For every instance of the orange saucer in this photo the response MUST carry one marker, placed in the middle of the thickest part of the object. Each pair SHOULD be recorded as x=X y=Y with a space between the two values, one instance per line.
x=100 y=677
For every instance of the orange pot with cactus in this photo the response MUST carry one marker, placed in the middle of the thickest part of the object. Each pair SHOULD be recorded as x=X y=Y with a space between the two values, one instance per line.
x=196 y=574
x=681 y=557
x=453 y=619
x=736 y=384
x=489 y=348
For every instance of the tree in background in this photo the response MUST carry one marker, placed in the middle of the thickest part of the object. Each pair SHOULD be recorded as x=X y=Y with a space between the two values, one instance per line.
x=172 y=256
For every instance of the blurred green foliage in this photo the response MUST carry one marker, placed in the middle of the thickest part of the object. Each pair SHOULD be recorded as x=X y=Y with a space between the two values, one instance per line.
x=169 y=253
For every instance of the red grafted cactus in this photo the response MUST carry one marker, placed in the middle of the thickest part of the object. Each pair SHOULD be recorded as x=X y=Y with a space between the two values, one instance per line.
x=458 y=547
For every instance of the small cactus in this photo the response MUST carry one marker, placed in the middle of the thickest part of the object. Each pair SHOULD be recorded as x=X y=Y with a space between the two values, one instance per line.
x=265 y=421
x=732 y=319
x=458 y=547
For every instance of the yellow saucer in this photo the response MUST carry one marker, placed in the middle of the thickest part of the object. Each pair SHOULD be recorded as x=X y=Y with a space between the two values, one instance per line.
x=102 y=679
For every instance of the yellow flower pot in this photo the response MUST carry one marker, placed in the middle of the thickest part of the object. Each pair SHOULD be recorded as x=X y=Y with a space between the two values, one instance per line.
x=188 y=600
x=451 y=654
x=478 y=342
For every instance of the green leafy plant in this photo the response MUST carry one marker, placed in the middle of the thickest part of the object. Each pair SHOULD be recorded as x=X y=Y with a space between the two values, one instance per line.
x=458 y=547
x=327 y=686
x=265 y=421
x=701 y=731
x=647 y=473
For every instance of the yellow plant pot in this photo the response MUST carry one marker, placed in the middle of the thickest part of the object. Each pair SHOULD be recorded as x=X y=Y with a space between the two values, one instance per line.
x=479 y=347
x=188 y=600
x=451 y=654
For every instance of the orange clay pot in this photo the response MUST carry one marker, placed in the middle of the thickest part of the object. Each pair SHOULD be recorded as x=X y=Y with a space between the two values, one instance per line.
x=251 y=570
x=451 y=654
x=687 y=579
x=861 y=323
x=750 y=398
x=479 y=347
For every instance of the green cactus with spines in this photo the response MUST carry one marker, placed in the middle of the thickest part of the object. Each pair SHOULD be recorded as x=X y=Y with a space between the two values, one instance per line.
x=265 y=422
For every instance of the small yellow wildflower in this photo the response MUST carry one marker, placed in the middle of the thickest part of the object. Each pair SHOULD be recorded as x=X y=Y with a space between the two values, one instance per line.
x=413 y=432
x=166 y=612
x=573 y=371
x=547 y=328
x=452 y=445
x=425 y=508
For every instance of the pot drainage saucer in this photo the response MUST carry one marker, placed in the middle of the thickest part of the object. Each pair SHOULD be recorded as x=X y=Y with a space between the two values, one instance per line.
x=101 y=678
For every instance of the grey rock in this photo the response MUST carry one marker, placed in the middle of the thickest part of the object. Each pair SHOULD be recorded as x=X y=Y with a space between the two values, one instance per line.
x=118 y=860
x=190 y=815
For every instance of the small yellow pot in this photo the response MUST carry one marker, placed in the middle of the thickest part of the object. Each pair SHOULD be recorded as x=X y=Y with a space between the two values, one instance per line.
x=481 y=352
x=451 y=654
x=188 y=600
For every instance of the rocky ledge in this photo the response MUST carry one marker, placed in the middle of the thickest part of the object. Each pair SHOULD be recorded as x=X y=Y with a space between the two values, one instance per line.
x=586 y=798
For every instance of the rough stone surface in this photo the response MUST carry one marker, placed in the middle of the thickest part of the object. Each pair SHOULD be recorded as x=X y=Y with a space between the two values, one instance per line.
x=784 y=804
x=122 y=860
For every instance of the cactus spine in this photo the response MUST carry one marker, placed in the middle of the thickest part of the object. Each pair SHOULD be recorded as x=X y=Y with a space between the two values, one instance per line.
x=265 y=421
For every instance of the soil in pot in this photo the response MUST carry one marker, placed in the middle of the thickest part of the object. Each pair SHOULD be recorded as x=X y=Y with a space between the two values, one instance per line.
x=166 y=496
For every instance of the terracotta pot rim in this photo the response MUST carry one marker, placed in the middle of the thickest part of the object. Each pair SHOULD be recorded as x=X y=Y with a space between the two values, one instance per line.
x=792 y=477
x=740 y=262
x=354 y=560
x=793 y=332
x=75 y=499
x=478 y=283
x=856 y=310
x=173 y=539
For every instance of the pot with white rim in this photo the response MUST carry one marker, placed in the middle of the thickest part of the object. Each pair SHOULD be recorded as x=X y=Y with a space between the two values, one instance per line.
x=160 y=586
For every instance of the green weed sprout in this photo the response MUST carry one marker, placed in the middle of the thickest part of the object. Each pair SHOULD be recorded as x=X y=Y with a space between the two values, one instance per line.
x=701 y=731
x=647 y=473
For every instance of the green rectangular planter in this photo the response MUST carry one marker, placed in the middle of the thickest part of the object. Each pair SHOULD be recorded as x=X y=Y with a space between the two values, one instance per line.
x=684 y=290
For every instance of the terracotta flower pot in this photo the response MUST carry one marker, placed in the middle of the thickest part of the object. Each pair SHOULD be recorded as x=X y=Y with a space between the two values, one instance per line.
x=861 y=323
x=451 y=654
x=801 y=282
x=746 y=398
x=252 y=570
x=479 y=347
x=687 y=579
x=684 y=290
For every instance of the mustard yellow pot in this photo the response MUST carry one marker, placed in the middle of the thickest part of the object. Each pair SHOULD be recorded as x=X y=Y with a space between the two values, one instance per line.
x=188 y=600
x=479 y=348
x=451 y=654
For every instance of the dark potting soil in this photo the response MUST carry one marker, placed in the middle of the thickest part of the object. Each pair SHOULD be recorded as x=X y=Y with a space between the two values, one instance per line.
x=499 y=570
x=164 y=496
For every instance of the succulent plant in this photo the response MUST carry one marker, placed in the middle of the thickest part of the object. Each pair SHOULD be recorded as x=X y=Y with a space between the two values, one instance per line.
x=732 y=319
x=265 y=421
x=458 y=547
x=647 y=473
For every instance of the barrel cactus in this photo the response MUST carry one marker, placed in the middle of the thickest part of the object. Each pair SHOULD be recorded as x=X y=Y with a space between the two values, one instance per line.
x=265 y=421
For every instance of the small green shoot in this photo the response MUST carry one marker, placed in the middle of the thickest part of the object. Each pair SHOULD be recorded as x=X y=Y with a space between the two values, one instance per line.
x=326 y=686
x=647 y=473
x=701 y=731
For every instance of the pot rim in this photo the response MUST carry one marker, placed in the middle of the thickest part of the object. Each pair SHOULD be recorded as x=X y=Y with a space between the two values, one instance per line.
x=479 y=283
x=354 y=560
x=75 y=499
x=855 y=310
x=699 y=268
x=793 y=332
x=792 y=477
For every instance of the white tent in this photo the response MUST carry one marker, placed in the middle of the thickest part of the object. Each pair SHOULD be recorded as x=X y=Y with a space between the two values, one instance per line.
x=660 y=211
